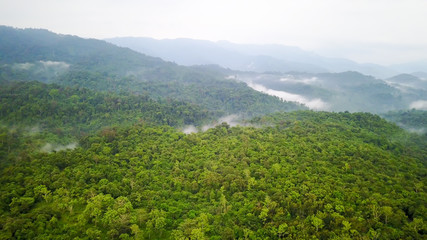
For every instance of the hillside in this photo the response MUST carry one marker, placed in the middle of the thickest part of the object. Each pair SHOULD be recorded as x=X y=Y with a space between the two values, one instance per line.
x=303 y=175
x=295 y=75
x=346 y=91
x=94 y=145
x=35 y=54
x=411 y=120
x=408 y=80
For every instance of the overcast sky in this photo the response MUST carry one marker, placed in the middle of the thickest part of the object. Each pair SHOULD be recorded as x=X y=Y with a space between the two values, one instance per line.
x=379 y=31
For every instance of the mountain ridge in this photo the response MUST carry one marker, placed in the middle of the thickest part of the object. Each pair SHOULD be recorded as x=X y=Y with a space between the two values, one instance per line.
x=282 y=58
x=102 y=66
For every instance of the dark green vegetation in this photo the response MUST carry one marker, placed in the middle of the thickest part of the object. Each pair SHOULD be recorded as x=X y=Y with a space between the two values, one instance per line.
x=411 y=120
x=92 y=150
x=33 y=54
x=63 y=115
x=308 y=175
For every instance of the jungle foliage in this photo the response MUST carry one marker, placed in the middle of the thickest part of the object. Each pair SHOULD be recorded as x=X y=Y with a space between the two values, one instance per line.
x=300 y=175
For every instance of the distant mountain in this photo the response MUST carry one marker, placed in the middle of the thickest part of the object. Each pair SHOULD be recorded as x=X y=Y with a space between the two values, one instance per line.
x=246 y=57
x=35 y=45
x=410 y=67
x=346 y=91
x=421 y=75
x=295 y=54
x=408 y=81
x=197 y=52
x=405 y=78
x=36 y=54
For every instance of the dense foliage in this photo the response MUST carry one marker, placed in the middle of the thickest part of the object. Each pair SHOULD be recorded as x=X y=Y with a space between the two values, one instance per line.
x=307 y=175
x=46 y=113
x=32 y=45
x=413 y=120
x=221 y=96
x=97 y=154
x=51 y=105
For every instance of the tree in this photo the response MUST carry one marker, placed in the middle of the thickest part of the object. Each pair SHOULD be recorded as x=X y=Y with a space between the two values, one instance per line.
x=282 y=230
x=53 y=93
x=42 y=191
x=387 y=212
x=317 y=222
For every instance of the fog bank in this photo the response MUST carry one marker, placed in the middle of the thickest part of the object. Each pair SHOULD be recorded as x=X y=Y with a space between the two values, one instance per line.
x=232 y=120
x=420 y=105
x=315 y=104
x=49 y=147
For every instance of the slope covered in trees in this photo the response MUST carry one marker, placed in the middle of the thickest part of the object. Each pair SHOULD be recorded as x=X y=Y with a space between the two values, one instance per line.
x=97 y=154
x=412 y=120
x=35 y=54
x=301 y=175
x=38 y=114
x=345 y=91
x=52 y=105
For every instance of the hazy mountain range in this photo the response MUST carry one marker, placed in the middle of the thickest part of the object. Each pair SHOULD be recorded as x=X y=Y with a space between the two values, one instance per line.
x=346 y=91
x=293 y=74
x=41 y=55
x=258 y=58
x=34 y=54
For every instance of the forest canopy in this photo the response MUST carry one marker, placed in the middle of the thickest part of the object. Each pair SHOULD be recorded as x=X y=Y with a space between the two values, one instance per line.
x=92 y=146
x=302 y=175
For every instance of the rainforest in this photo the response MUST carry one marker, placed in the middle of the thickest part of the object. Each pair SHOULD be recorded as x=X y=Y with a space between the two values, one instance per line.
x=94 y=145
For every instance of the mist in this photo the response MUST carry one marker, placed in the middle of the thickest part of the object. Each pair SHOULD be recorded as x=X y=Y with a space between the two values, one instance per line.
x=420 y=105
x=49 y=147
x=315 y=104
x=32 y=130
x=232 y=120
x=22 y=66
x=55 y=64
x=304 y=80
x=189 y=129
x=418 y=131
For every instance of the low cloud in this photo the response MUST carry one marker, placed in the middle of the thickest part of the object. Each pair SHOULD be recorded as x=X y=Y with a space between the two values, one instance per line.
x=55 y=64
x=48 y=147
x=316 y=104
x=41 y=66
x=189 y=129
x=417 y=130
x=23 y=66
x=303 y=80
x=32 y=130
x=232 y=120
x=420 y=105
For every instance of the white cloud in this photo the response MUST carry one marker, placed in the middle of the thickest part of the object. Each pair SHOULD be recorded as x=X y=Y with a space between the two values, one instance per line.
x=316 y=104
x=55 y=64
x=232 y=120
x=48 y=147
x=421 y=105
x=189 y=129
x=304 y=80
x=23 y=66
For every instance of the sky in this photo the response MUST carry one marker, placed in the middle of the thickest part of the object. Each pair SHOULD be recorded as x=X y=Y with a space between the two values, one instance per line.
x=378 y=31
